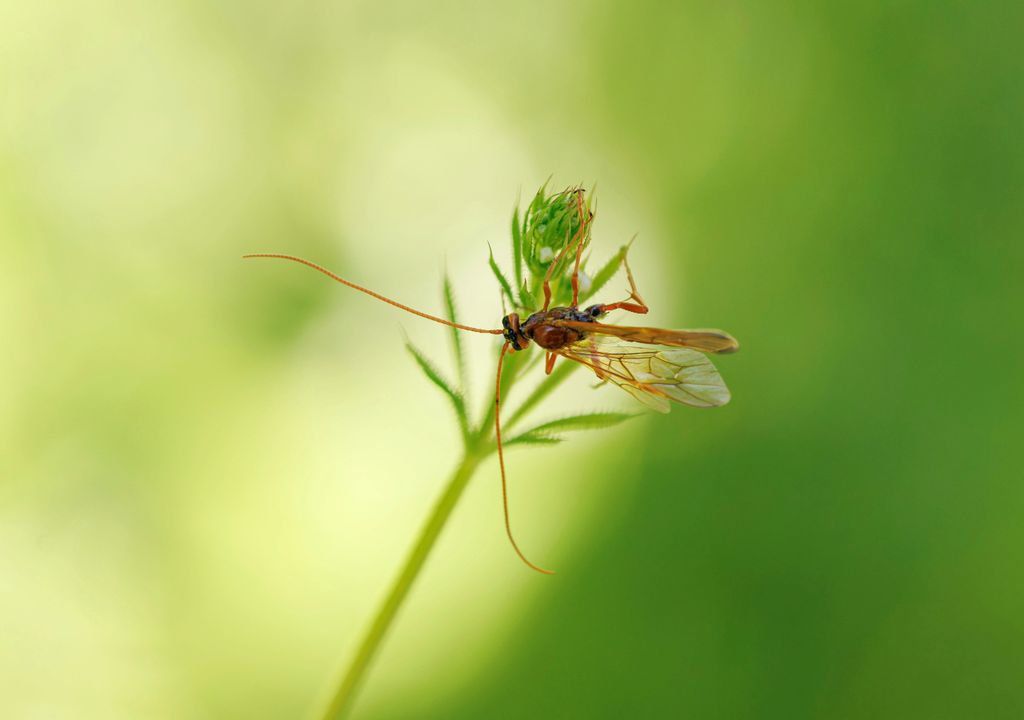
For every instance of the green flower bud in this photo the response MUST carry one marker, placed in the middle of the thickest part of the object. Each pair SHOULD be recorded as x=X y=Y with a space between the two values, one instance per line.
x=550 y=224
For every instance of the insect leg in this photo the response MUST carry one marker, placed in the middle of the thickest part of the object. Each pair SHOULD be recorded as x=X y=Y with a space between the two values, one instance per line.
x=638 y=305
x=501 y=464
x=579 y=236
x=579 y=249
x=549 y=364
x=551 y=269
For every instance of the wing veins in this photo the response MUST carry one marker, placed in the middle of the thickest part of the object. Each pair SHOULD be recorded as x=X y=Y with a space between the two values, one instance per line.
x=602 y=371
x=668 y=373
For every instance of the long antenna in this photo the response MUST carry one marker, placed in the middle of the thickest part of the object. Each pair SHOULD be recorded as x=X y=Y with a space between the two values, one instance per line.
x=371 y=293
x=501 y=463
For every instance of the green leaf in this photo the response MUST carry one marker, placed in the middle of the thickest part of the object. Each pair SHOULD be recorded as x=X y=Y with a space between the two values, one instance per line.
x=531 y=439
x=449 y=306
x=505 y=286
x=517 y=247
x=605 y=273
x=544 y=388
x=590 y=421
x=432 y=373
x=525 y=299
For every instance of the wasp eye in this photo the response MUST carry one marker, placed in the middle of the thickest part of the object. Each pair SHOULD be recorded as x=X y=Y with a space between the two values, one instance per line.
x=594 y=311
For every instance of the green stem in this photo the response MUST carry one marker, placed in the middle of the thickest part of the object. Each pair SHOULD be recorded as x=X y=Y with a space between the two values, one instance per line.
x=341 y=702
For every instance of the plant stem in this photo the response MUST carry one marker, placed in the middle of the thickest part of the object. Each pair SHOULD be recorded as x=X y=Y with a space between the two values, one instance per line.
x=341 y=702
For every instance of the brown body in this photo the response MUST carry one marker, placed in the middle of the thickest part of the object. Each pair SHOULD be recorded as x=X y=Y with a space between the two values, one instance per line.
x=562 y=327
x=546 y=329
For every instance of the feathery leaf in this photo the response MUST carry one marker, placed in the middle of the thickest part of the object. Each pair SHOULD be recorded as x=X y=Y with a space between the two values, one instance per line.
x=532 y=439
x=589 y=421
x=434 y=375
x=506 y=288
x=460 y=360
x=544 y=388
x=605 y=274
x=517 y=247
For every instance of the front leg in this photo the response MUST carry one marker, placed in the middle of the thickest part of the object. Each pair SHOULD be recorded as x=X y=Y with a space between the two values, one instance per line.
x=579 y=247
x=578 y=239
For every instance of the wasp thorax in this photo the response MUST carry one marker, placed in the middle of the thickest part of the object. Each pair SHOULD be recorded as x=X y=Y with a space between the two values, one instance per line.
x=551 y=338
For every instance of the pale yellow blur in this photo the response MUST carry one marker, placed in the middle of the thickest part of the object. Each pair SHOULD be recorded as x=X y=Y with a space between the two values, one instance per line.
x=200 y=508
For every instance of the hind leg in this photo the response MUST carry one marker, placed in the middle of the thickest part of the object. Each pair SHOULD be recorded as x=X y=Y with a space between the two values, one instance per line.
x=634 y=303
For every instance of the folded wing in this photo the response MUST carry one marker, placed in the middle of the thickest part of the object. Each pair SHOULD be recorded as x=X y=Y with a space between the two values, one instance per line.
x=654 y=376
x=715 y=341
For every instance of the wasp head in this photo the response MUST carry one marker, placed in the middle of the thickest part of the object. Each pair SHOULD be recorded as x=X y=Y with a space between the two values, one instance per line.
x=513 y=335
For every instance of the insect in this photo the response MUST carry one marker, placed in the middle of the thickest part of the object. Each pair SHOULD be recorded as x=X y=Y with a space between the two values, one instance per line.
x=654 y=365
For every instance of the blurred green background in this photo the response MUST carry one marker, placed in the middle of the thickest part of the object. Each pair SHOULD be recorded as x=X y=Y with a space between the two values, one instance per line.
x=211 y=469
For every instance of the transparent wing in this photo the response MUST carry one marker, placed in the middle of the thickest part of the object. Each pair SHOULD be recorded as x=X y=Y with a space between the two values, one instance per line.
x=716 y=341
x=654 y=376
